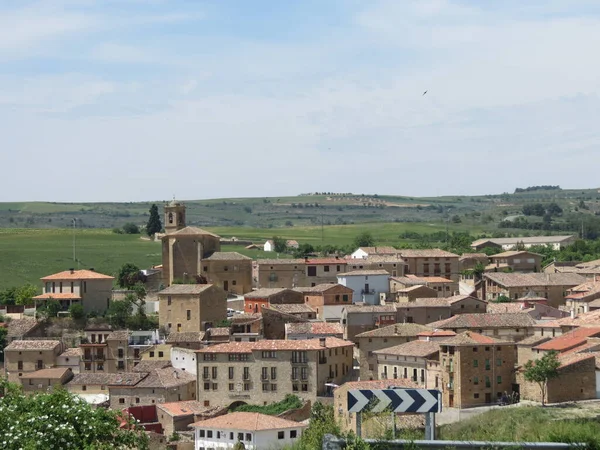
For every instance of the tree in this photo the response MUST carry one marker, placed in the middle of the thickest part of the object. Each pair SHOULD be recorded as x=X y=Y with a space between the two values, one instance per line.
x=119 y=312
x=542 y=370
x=131 y=228
x=59 y=419
x=24 y=294
x=501 y=299
x=129 y=275
x=456 y=219
x=153 y=226
x=50 y=309
x=553 y=209
x=364 y=239
x=3 y=333
x=280 y=244
x=76 y=311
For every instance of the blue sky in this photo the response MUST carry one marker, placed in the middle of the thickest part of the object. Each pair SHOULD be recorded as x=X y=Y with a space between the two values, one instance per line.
x=125 y=100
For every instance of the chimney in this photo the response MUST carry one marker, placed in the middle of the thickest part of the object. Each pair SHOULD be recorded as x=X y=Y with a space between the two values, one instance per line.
x=572 y=314
x=176 y=374
x=322 y=342
x=306 y=259
x=91 y=269
x=72 y=270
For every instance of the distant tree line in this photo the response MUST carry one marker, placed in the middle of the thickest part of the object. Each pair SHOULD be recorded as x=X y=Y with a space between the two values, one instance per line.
x=537 y=188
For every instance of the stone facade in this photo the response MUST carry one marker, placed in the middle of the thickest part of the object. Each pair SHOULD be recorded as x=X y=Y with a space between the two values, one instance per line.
x=291 y=273
x=230 y=271
x=255 y=301
x=435 y=262
x=24 y=357
x=327 y=299
x=191 y=307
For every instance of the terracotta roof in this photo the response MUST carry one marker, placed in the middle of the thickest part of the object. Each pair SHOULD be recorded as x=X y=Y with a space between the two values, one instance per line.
x=265 y=292
x=383 y=250
x=188 y=336
x=417 y=348
x=573 y=358
x=20 y=327
x=437 y=333
x=184 y=408
x=322 y=288
x=459 y=298
x=471 y=338
x=247 y=421
x=147 y=366
x=118 y=335
x=57 y=296
x=293 y=308
x=55 y=373
x=510 y=253
x=431 y=302
x=570 y=340
x=375 y=259
x=279 y=261
x=325 y=261
x=535 y=279
x=486 y=320
x=227 y=256
x=78 y=275
x=189 y=289
x=219 y=331
x=108 y=379
x=513 y=307
x=589 y=289
x=416 y=287
x=229 y=347
x=72 y=352
x=33 y=345
x=427 y=253
x=590 y=318
x=166 y=378
x=190 y=231
x=324 y=328
x=533 y=340
x=357 y=273
x=370 y=309
x=239 y=319
x=398 y=329
x=276 y=344
x=380 y=384
x=465 y=256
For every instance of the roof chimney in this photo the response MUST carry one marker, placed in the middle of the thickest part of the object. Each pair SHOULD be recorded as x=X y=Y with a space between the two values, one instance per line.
x=322 y=342
x=306 y=259
x=91 y=269
x=72 y=269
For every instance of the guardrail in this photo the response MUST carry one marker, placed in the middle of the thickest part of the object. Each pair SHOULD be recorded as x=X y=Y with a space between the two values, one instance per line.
x=331 y=442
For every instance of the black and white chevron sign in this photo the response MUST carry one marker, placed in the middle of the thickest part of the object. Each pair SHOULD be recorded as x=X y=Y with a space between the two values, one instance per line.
x=395 y=400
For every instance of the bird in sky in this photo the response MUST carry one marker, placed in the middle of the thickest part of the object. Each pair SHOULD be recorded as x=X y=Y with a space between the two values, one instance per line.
x=424 y=92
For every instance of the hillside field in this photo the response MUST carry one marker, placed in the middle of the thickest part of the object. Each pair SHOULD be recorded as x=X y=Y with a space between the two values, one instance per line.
x=26 y=255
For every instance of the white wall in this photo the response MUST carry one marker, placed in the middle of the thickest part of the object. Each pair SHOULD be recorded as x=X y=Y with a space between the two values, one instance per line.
x=332 y=313
x=260 y=439
x=184 y=359
x=72 y=363
x=268 y=247
x=359 y=254
x=377 y=283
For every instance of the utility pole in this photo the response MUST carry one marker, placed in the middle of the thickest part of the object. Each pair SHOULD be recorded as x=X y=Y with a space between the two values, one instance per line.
x=74 y=221
x=322 y=231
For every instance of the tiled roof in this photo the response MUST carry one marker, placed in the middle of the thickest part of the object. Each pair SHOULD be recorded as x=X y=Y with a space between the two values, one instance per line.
x=427 y=253
x=370 y=309
x=325 y=261
x=219 y=331
x=421 y=349
x=321 y=288
x=533 y=340
x=72 y=352
x=375 y=259
x=228 y=256
x=535 y=279
x=586 y=290
x=118 y=335
x=188 y=336
x=293 y=308
x=383 y=250
x=416 y=287
x=510 y=253
x=147 y=366
x=78 y=275
x=108 y=379
x=590 y=318
x=324 y=328
x=184 y=408
x=33 y=345
x=267 y=262
x=357 y=273
x=380 y=384
x=189 y=289
x=20 y=327
x=166 y=378
x=459 y=298
x=248 y=421
x=569 y=359
x=437 y=333
x=57 y=296
x=486 y=320
x=190 y=231
x=431 y=302
x=239 y=319
x=465 y=256
x=276 y=344
x=55 y=373
x=264 y=293
x=471 y=338
x=398 y=329
x=229 y=347
x=513 y=307
x=570 y=340
x=525 y=240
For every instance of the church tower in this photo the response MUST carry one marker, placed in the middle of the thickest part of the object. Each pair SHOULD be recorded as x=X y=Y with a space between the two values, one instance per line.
x=174 y=216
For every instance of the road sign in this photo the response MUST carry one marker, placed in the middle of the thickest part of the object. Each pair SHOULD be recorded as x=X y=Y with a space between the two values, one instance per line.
x=395 y=400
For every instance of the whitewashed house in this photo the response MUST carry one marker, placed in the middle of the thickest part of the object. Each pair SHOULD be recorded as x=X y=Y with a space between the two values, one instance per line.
x=269 y=246
x=364 y=252
x=369 y=286
x=184 y=359
x=254 y=430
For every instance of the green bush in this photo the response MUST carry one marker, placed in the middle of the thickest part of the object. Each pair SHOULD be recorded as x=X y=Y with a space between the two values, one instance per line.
x=289 y=402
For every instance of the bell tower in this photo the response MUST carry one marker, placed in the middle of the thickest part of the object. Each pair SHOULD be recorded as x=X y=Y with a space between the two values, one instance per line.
x=174 y=216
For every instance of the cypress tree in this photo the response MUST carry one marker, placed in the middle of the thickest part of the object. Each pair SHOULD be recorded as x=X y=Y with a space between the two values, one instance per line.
x=154 y=225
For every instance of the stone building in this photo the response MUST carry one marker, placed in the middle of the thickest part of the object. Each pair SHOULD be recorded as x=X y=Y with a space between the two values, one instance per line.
x=444 y=287
x=24 y=357
x=408 y=362
x=431 y=262
x=423 y=311
x=327 y=300
x=191 y=307
x=505 y=326
x=370 y=341
x=265 y=371
x=88 y=288
x=45 y=379
x=517 y=261
x=231 y=271
x=256 y=300
x=476 y=369
x=358 y=319
x=184 y=247
x=291 y=273
x=392 y=263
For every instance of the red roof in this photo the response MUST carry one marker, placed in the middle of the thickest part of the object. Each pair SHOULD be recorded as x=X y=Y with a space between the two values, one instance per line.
x=326 y=261
x=569 y=340
x=437 y=333
x=77 y=275
x=58 y=296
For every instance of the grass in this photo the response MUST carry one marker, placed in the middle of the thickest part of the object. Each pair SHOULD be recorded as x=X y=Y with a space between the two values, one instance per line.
x=289 y=402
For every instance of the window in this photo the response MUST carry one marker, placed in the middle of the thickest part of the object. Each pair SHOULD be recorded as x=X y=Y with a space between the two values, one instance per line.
x=474 y=349
x=273 y=388
x=209 y=433
x=475 y=363
x=498 y=362
x=487 y=364
x=325 y=268
x=161 y=354
x=231 y=373
x=280 y=434
x=122 y=401
x=304 y=373
x=40 y=364
x=207 y=386
x=475 y=380
x=84 y=388
x=273 y=373
x=311 y=271
x=246 y=373
x=120 y=353
x=240 y=436
x=169 y=300
x=499 y=379
x=231 y=387
x=293 y=434
x=475 y=395
x=265 y=387
x=188 y=314
x=264 y=374
x=206 y=402
x=231 y=435
x=210 y=357
x=248 y=437
x=487 y=382
x=214 y=372
x=246 y=386
x=215 y=387
x=269 y=355
x=345 y=297
x=337 y=298
x=20 y=365
x=487 y=349
x=234 y=282
x=151 y=354
x=137 y=399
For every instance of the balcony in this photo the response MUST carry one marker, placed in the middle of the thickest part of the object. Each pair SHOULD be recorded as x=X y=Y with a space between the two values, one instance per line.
x=368 y=291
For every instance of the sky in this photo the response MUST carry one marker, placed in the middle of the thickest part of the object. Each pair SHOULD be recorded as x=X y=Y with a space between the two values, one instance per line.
x=133 y=100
